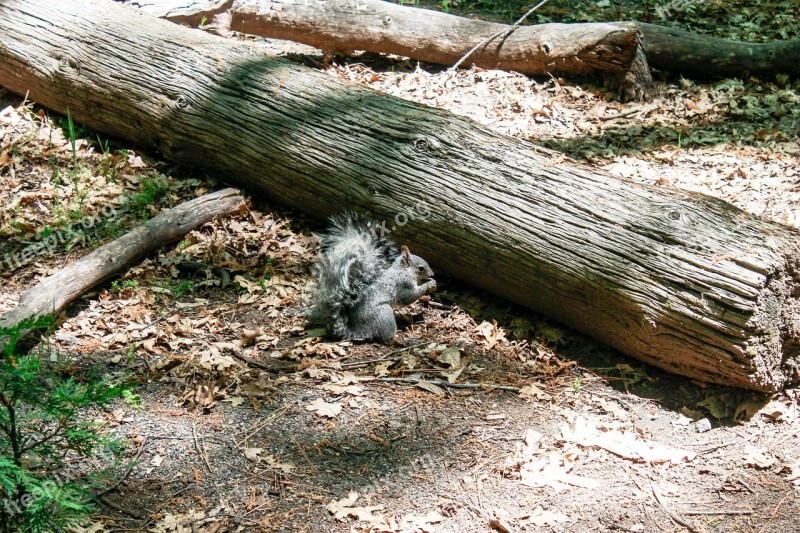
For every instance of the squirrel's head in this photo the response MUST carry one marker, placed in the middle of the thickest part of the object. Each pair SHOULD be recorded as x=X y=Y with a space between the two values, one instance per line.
x=422 y=270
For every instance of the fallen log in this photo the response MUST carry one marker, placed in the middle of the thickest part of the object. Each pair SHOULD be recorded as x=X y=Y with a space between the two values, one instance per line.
x=622 y=50
x=680 y=280
x=54 y=293
x=702 y=57
x=613 y=51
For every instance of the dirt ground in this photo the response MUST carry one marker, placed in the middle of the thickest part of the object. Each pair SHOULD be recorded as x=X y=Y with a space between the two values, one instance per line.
x=243 y=420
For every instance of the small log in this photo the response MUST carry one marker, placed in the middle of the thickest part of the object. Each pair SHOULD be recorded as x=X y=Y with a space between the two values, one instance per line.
x=683 y=281
x=53 y=293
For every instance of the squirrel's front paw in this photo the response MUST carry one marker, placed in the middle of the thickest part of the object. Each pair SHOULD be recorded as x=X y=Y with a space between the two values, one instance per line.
x=430 y=285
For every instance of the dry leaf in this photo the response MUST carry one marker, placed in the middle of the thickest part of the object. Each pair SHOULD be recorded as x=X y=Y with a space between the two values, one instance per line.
x=322 y=408
x=541 y=518
x=491 y=333
x=352 y=390
x=430 y=387
x=253 y=453
x=343 y=508
x=532 y=391
x=276 y=464
x=235 y=401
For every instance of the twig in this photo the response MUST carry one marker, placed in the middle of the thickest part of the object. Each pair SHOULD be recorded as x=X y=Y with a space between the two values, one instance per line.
x=262 y=366
x=269 y=420
x=128 y=473
x=730 y=512
x=388 y=356
x=675 y=518
x=303 y=453
x=476 y=509
x=447 y=384
x=620 y=115
x=238 y=520
x=716 y=447
x=504 y=33
x=154 y=322
x=119 y=508
x=180 y=437
x=774 y=512
x=359 y=364
x=200 y=447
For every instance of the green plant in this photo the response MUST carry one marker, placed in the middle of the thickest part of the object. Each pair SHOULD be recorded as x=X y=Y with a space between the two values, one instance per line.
x=133 y=400
x=182 y=288
x=118 y=285
x=269 y=271
x=56 y=180
x=130 y=354
x=103 y=145
x=43 y=437
x=150 y=190
x=73 y=137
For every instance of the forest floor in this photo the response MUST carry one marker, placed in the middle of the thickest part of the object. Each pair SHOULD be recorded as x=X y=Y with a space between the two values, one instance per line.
x=332 y=436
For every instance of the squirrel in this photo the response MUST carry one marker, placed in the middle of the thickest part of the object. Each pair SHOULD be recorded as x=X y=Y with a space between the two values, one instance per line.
x=361 y=276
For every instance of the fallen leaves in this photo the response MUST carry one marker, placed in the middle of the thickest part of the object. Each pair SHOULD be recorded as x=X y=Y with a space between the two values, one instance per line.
x=627 y=444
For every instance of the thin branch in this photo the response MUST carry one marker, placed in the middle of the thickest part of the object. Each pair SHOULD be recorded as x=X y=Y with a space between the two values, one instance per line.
x=505 y=32
x=446 y=384
x=674 y=516
x=255 y=364
x=134 y=464
x=200 y=447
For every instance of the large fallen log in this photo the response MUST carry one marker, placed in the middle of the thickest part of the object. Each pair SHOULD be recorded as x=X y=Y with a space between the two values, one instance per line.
x=613 y=51
x=604 y=49
x=55 y=292
x=680 y=280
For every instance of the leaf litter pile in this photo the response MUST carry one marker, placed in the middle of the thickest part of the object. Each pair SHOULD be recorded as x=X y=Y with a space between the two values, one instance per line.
x=244 y=419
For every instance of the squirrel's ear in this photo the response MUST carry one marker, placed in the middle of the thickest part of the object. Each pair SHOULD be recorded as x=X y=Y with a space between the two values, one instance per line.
x=405 y=254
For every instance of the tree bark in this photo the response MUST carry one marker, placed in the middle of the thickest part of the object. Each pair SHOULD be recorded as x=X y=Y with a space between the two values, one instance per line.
x=54 y=293
x=680 y=280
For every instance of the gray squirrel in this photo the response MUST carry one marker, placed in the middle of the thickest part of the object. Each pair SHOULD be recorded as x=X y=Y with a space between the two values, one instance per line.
x=361 y=276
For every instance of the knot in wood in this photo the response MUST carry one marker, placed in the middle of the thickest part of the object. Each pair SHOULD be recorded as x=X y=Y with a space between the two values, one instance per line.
x=387 y=21
x=181 y=102
x=426 y=144
x=65 y=63
x=675 y=216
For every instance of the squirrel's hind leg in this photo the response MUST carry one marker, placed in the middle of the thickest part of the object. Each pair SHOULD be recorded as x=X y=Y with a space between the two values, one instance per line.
x=377 y=323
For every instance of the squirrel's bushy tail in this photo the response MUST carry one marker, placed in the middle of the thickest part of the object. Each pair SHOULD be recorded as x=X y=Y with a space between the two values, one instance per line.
x=353 y=254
